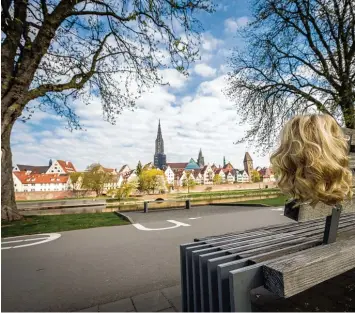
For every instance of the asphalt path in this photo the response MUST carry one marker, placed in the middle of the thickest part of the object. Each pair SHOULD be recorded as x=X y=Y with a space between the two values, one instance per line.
x=83 y=268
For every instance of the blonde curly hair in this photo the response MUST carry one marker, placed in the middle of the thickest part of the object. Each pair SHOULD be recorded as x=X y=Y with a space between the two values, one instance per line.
x=312 y=162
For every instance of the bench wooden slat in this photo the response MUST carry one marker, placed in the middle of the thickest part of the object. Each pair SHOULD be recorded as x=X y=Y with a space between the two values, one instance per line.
x=306 y=269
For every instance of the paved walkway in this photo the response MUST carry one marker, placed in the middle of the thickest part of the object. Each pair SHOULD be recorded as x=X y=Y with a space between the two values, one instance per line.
x=335 y=295
x=164 y=300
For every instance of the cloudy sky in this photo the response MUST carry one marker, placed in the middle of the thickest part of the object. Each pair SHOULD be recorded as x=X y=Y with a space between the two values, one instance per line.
x=193 y=111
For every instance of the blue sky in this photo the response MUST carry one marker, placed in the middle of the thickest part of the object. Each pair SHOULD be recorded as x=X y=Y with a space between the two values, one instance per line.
x=194 y=114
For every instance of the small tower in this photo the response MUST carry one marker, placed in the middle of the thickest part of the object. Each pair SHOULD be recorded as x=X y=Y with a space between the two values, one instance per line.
x=224 y=161
x=248 y=163
x=200 y=159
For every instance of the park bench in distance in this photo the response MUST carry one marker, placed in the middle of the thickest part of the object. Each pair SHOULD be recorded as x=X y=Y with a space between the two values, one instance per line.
x=219 y=272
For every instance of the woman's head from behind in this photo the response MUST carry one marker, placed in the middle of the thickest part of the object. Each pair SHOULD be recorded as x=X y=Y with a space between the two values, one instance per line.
x=312 y=160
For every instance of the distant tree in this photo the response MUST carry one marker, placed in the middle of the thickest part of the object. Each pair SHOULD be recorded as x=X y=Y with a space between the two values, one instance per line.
x=189 y=181
x=255 y=176
x=217 y=179
x=95 y=178
x=151 y=180
x=299 y=58
x=139 y=168
x=76 y=180
x=56 y=52
x=124 y=191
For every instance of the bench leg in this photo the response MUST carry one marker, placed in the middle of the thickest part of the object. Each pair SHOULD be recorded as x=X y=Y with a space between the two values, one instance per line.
x=241 y=282
x=331 y=226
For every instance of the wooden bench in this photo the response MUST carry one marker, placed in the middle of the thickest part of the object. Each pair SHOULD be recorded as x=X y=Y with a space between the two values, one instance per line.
x=218 y=272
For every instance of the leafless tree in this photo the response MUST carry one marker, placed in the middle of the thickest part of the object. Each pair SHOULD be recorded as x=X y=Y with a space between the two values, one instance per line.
x=299 y=58
x=57 y=51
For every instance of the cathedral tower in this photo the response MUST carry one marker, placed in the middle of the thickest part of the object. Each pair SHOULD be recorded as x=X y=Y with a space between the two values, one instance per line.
x=200 y=159
x=159 y=156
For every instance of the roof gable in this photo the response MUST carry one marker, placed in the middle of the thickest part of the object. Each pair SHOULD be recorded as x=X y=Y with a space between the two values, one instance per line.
x=67 y=166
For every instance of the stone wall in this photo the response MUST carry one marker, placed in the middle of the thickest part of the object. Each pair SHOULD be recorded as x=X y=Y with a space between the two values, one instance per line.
x=226 y=187
x=51 y=195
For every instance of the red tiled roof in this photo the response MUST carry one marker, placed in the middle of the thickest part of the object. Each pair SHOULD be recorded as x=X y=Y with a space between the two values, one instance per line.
x=108 y=170
x=67 y=166
x=41 y=178
x=177 y=165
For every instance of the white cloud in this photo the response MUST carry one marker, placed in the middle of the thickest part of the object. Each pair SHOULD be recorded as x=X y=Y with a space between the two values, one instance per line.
x=208 y=42
x=204 y=119
x=204 y=70
x=231 y=24
x=174 y=78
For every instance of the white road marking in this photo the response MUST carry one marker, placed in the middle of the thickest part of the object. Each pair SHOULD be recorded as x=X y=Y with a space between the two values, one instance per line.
x=49 y=237
x=194 y=218
x=177 y=224
x=6 y=242
x=278 y=209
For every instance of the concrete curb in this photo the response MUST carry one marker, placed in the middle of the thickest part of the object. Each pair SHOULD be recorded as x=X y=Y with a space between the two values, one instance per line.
x=125 y=217
x=241 y=204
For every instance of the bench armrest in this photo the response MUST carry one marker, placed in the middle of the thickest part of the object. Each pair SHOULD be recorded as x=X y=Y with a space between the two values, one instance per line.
x=305 y=269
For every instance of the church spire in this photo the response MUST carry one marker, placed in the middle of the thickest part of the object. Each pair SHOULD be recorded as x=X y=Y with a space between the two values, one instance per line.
x=200 y=159
x=159 y=156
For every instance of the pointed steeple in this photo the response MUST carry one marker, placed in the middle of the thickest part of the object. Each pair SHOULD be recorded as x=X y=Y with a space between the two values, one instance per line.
x=200 y=159
x=159 y=136
x=159 y=156
x=224 y=161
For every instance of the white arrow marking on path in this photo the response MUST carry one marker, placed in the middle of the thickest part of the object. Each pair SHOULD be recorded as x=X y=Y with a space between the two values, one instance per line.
x=177 y=224
x=194 y=218
x=42 y=240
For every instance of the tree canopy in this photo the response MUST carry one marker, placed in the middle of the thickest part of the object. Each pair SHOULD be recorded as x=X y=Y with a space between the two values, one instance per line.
x=96 y=179
x=58 y=51
x=152 y=180
x=299 y=58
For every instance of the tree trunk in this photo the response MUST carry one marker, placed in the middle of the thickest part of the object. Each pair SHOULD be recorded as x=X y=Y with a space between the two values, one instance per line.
x=348 y=109
x=9 y=210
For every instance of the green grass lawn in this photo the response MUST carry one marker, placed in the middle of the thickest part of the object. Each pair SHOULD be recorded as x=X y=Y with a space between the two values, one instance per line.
x=279 y=201
x=224 y=193
x=57 y=223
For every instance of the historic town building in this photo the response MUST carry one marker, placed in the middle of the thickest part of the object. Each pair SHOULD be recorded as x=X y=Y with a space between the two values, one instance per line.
x=159 y=156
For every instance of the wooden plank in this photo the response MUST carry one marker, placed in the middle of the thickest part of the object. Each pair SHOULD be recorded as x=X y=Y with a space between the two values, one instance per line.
x=305 y=269
x=213 y=279
x=184 y=274
x=241 y=282
x=218 y=287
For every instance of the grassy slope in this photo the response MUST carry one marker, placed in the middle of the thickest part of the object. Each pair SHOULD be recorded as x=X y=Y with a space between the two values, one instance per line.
x=279 y=201
x=57 y=223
